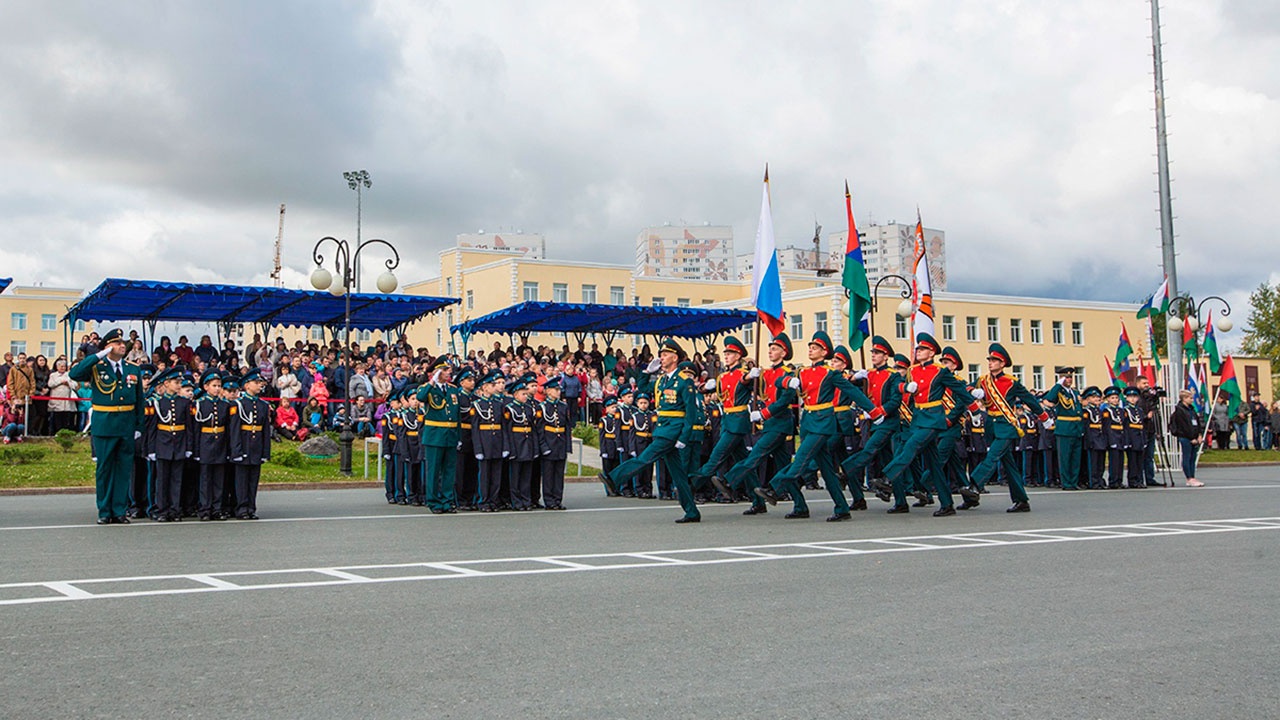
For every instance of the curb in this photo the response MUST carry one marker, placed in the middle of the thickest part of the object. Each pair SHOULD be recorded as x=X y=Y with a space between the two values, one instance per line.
x=1237 y=464
x=336 y=485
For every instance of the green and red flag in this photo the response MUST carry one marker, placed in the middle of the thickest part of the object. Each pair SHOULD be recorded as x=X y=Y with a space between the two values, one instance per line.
x=1151 y=338
x=1211 y=347
x=854 y=280
x=1123 y=350
x=1189 y=346
x=1230 y=385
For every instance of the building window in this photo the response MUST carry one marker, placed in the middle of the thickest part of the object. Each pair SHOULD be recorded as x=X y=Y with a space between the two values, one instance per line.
x=1077 y=333
x=749 y=335
x=1080 y=378
x=439 y=338
x=617 y=295
x=48 y=322
x=971 y=329
x=682 y=302
x=900 y=328
x=1057 y=332
x=1015 y=330
x=530 y=291
x=81 y=326
x=448 y=318
x=317 y=332
x=707 y=301
x=993 y=329
x=973 y=372
x=1037 y=377
x=48 y=349
x=589 y=294
x=797 y=328
x=560 y=293
x=448 y=286
x=820 y=322
x=659 y=302
x=471 y=300
x=949 y=328
x=1037 y=336
x=1017 y=374
x=17 y=321
x=17 y=347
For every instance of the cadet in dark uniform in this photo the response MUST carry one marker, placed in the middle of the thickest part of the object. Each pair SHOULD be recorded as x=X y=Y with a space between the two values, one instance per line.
x=843 y=444
x=173 y=443
x=140 y=494
x=467 y=472
x=977 y=433
x=410 y=430
x=250 y=443
x=554 y=437
x=1117 y=443
x=777 y=423
x=611 y=448
x=487 y=437
x=116 y=396
x=1095 y=436
x=1135 y=438
x=212 y=415
x=1068 y=426
x=520 y=418
x=640 y=436
x=1029 y=446
x=388 y=429
x=999 y=393
x=691 y=454
x=440 y=438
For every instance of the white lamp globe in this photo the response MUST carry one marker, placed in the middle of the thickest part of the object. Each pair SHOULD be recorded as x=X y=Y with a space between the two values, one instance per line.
x=1193 y=322
x=336 y=288
x=848 y=307
x=1175 y=324
x=387 y=283
x=321 y=278
x=1225 y=324
x=905 y=308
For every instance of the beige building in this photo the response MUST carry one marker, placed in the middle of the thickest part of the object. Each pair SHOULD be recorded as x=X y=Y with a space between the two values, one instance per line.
x=32 y=317
x=695 y=252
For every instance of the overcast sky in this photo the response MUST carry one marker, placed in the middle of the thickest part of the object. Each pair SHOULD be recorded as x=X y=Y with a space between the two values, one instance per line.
x=156 y=140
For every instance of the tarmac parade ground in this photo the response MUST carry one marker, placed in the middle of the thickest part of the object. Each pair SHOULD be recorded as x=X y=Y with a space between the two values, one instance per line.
x=1156 y=603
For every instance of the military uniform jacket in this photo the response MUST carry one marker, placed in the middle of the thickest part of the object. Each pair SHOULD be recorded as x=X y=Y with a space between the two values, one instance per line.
x=1095 y=435
x=641 y=435
x=440 y=424
x=884 y=388
x=520 y=421
x=734 y=393
x=146 y=444
x=554 y=436
x=487 y=433
x=173 y=439
x=387 y=428
x=116 y=397
x=976 y=431
x=819 y=387
x=249 y=431
x=929 y=406
x=210 y=418
x=412 y=429
x=465 y=400
x=1134 y=434
x=626 y=415
x=778 y=415
x=610 y=443
x=1113 y=421
x=674 y=399
x=846 y=417
x=1068 y=411
x=1030 y=435
x=1003 y=392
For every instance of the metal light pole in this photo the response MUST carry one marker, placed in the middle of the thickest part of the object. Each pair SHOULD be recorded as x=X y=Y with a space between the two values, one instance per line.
x=346 y=262
x=905 y=308
x=358 y=180
x=1166 y=207
x=1183 y=309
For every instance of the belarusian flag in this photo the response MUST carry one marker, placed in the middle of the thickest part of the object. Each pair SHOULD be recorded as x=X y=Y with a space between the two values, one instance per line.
x=1158 y=302
x=1211 y=347
x=1189 y=346
x=1230 y=385
x=855 y=279
x=1123 y=351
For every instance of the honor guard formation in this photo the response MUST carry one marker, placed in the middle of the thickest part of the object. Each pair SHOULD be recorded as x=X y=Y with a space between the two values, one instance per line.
x=468 y=436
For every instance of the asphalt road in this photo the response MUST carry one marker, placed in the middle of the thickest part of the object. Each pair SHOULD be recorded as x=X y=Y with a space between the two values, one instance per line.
x=1149 y=621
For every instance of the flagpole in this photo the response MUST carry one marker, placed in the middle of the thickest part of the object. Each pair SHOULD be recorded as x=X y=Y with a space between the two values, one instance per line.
x=759 y=376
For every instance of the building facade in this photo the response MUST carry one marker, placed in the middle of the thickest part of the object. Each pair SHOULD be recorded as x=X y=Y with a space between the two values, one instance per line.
x=33 y=319
x=701 y=252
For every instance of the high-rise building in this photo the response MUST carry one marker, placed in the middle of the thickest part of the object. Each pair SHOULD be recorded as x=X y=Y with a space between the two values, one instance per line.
x=530 y=245
x=890 y=250
x=692 y=252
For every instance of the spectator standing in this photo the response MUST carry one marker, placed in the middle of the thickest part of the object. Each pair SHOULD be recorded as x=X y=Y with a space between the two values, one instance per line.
x=1220 y=422
x=1184 y=424
x=1269 y=439
x=186 y=354
x=63 y=408
x=38 y=415
x=229 y=353
x=1240 y=421
x=287 y=383
x=5 y=367
x=1261 y=418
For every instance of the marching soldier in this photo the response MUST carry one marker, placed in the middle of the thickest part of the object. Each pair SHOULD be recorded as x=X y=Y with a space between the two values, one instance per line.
x=777 y=424
x=672 y=432
x=950 y=440
x=486 y=418
x=467 y=472
x=1113 y=422
x=1068 y=426
x=520 y=446
x=250 y=443
x=554 y=436
x=734 y=392
x=212 y=415
x=842 y=444
x=884 y=389
x=1095 y=436
x=173 y=444
x=440 y=441
x=116 y=388
x=691 y=454
x=998 y=393
x=817 y=386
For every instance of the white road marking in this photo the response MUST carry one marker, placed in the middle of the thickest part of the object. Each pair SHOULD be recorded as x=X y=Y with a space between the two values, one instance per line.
x=666 y=506
x=65 y=590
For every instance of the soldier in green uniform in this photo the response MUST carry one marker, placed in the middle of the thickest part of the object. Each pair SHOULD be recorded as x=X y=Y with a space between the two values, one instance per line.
x=1000 y=393
x=1068 y=426
x=117 y=421
x=691 y=455
x=440 y=441
x=673 y=431
x=777 y=422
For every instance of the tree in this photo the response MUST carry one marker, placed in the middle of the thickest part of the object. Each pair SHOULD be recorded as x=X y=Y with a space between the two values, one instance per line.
x=1262 y=331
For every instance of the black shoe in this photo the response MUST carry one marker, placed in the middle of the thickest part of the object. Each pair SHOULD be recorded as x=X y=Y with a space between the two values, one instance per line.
x=1020 y=507
x=883 y=495
x=722 y=487
x=839 y=516
x=967 y=505
x=628 y=494
x=797 y=515
x=922 y=498
x=104 y=521
x=755 y=510
x=404 y=502
x=768 y=494
x=898 y=509
x=947 y=511
x=969 y=495
x=840 y=474
x=134 y=514
x=609 y=488
x=159 y=518
x=120 y=520
x=921 y=503
x=858 y=505
x=687 y=519
x=984 y=491
x=205 y=517
x=879 y=485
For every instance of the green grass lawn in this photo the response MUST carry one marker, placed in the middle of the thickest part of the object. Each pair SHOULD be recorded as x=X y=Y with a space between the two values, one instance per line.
x=59 y=468
x=1237 y=456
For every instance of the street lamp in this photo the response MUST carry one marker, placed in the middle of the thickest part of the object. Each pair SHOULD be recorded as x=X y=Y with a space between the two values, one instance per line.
x=905 y=308
x=1183 y=310
x=345 y=262
x=357 y=180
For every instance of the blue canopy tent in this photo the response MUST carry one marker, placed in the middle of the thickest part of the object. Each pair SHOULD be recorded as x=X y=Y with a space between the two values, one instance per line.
x=226 y=305
x=4 y=283
x=609 y=321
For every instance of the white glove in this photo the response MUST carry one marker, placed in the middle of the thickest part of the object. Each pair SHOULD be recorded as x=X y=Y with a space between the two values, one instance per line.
x=709 y=385
x=479 y=456
x=435 y=376
x=386 y=457
x=137 y=434
x=102 y=354
x=860 y=375
x=633 y=453
x=546 y=452
x=237 y=458
x=679 y=445
x=1048 y=424
x=654 y=366
x=878 y=420
x=756 y=416
x=188 y=453
x=979 y=393
x=755 y=373
x=505 y=453
x=151 y=456
x=604 y=456
x=794 y=383
x=912 y=386
x=459 y=446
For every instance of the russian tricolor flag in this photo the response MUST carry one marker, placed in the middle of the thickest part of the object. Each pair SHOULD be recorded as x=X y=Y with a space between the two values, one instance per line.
x=766 y=281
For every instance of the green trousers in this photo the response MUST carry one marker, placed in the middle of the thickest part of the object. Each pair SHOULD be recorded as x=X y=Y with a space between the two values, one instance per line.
x=113 y=473
x=1069 y=460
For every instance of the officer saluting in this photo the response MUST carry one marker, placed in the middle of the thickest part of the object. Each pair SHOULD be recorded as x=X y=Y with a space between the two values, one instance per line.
x=117 y=421
x=1068 y=426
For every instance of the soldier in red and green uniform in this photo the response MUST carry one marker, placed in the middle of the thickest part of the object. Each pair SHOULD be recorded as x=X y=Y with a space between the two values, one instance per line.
x=777 y=418
x=884 y=388
x=1000 y=393
x=734 y=392
x=817 y=386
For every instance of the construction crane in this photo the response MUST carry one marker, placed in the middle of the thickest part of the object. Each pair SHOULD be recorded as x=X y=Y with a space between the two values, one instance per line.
x=275 y=271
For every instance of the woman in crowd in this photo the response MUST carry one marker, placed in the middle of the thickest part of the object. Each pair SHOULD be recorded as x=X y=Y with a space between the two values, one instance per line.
x=381 y=385
x=11 y=423
x=287 y=423
x=595 y=397
x=1220 y=422
x=229 y=353
x=165 y=348
x=63 y=408
x=38 y=415
x=286 y=382
x=1184 y=424
x=137 y=354
x=313 y=415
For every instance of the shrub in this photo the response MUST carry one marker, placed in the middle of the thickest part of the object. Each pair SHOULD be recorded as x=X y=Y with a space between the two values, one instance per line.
x=587 y=434
x=66 y=439
x=287 y=457
x=22 y=455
